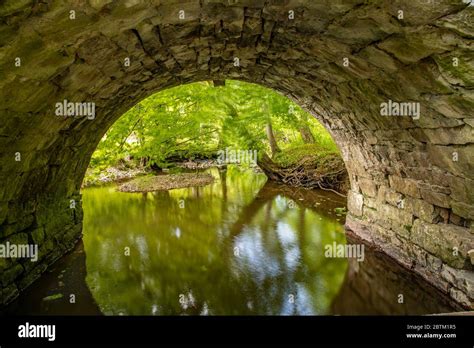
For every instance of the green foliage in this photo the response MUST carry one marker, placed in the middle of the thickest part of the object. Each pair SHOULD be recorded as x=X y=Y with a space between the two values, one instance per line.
x=197 y=120
x=53 y=297
x=307 y=153
x=177 y=251
x=322 y=136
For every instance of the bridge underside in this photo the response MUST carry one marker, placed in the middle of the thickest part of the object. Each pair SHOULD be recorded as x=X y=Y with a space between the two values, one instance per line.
x=412 y=178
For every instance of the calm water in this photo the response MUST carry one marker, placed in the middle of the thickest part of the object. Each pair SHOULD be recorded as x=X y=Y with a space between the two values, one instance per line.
x=238 y=246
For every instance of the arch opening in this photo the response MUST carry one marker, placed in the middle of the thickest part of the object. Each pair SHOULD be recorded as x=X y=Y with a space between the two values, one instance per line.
x=237 y=245
x=411 y=177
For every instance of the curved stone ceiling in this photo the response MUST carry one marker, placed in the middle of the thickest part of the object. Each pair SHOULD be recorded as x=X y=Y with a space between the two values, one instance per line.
x=355 y=65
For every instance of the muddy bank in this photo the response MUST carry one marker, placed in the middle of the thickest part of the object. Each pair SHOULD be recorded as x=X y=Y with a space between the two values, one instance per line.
x=166 y=182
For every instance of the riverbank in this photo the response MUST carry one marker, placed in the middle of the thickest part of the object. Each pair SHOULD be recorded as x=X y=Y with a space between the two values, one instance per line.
x=113 y=174
x=127 y=170
x=166 y=182
x=311 y=166
x=259 y=220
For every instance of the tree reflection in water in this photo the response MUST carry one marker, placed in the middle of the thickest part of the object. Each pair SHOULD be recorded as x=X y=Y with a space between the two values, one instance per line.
x=238 y=246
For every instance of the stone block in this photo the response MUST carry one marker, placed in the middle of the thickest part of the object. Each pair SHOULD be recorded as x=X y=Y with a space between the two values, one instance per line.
x=448 y=242
x=9 y=275
x=368 y=187
x=371 y=214
x=32 y=276
x=462 y=189
x=420 y=208
x=405 y=185
x=462 y=209
x=355 y=202
x=407 y=52
x=18 y=239
x=381 y=194
x=4 y=264
x=393 y=197
x=45 y=248
x=460 y=297
x=38 y=235
x=7 y=230
x=456 y=219
x=3 y=212
x=462 y=279
x=443 y=157
x=396 y=215
x=437 y=198
x=98 y=4
x=9 y=293
x=448 y=136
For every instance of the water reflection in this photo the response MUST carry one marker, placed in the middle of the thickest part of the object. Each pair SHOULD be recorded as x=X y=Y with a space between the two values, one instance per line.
x=237 y=246
x=373 y=287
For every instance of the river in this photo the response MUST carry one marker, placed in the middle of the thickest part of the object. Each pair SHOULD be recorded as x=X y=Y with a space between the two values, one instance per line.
x=239 y=246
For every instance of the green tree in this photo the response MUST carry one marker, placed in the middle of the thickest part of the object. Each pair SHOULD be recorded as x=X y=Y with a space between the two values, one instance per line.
x=197 y=120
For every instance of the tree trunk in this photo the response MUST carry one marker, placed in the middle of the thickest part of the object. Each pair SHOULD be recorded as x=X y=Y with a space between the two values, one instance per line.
x=306 y=134
x=269 y=167
x=271 y=139
x=218 y=83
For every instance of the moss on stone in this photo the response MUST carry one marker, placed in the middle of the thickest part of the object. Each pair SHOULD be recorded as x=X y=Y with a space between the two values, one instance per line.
x=312 y=155
x=53 y=297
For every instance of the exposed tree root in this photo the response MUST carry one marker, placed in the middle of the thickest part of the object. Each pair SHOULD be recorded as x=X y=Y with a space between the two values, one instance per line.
x=328 y=173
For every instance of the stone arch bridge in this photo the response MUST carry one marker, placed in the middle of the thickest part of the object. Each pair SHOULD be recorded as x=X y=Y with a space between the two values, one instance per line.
x=412 y=175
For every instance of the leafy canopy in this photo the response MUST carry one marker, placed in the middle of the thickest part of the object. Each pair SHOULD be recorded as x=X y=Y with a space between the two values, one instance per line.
x=198 y=119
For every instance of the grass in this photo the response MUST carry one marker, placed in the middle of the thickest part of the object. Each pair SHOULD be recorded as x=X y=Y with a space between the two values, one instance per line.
x=310 y=154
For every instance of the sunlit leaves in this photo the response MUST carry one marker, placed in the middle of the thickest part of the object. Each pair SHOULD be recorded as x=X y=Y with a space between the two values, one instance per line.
x=196 y=120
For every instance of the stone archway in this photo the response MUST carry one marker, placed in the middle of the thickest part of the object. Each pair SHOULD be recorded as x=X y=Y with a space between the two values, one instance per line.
x=412 y=179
